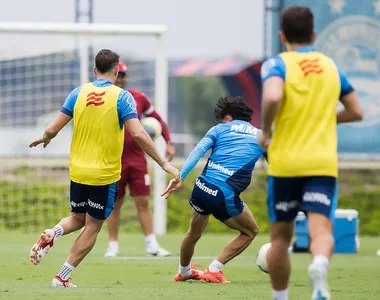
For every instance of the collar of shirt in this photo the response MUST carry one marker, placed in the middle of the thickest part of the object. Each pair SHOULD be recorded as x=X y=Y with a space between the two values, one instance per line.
x=101 y=83
x=308 y=48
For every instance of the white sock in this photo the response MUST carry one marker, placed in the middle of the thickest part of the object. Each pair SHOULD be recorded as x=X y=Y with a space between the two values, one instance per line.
x=321 y=260
x=113 y=246
x=66 y=271
x=184 y=271
x=215 y=266
x=58 y=231
x=280 y=295
x=151 y=241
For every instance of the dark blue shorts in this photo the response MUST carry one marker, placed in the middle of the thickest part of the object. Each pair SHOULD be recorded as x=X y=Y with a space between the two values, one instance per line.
x=219 y=200
x=97 y=201
x=289 y=195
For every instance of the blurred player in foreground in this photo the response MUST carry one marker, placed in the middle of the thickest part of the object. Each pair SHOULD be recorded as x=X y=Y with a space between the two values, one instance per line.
x=100 y=111
x=228 y=172
x=135 y=174
x=300 y=94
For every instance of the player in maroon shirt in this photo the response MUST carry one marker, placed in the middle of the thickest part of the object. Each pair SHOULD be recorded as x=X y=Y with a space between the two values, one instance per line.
x=135 y=175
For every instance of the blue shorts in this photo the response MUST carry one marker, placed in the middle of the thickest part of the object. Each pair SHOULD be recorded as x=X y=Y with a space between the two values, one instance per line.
x=219 y=200
x=289 y=195
x=97 y=201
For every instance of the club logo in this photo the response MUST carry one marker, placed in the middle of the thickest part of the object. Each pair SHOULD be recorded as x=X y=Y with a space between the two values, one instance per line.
x=95 y=99
x=353 y=42
x=309 y=66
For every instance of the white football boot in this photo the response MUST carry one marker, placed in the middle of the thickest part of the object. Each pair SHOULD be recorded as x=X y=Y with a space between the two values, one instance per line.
x=159 y=252
x=318 y=277
x=42 y=246
x=58 y=282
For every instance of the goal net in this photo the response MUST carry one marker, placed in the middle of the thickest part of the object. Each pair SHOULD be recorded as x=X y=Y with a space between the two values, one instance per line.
x=40 y=63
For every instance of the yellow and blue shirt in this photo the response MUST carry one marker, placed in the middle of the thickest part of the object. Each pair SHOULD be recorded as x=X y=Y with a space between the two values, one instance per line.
x=304 y=140
x=99 y=110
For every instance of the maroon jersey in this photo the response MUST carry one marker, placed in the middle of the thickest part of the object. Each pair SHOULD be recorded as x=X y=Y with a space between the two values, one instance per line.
x=133 y=155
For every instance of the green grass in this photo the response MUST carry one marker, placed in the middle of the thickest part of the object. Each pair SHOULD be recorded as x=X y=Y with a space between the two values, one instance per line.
x=351 y=276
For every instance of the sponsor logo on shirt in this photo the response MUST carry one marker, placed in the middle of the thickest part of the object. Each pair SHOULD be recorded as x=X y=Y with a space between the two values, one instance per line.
x=206 y=189
x=245 y=129
x=220 y=168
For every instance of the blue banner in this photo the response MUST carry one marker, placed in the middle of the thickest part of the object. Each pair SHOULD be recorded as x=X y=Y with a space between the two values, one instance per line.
x=349 y=32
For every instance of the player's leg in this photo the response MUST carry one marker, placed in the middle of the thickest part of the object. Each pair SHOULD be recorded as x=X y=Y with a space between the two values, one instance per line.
x=199 y=219
x=113 y=222
x=232 y=211
x=139 y=186
x=186 y=271
x=67 y=225
x=319 y=201
x=284 y=197
x=101 y=200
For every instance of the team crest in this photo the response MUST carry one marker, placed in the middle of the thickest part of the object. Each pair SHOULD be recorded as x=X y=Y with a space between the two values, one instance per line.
x=353 y=42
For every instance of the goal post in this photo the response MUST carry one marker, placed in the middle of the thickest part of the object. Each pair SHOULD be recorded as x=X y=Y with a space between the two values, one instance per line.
x=84 y=32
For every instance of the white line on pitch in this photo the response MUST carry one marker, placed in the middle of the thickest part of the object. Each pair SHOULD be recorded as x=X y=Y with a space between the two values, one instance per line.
x=168 y=258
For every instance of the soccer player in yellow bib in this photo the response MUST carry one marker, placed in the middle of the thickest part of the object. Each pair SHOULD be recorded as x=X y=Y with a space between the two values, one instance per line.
x=100 y=111
x=301 y=88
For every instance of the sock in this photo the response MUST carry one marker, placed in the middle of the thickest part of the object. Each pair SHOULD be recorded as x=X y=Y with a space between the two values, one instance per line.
x=280 y=295
x=58 y=231
x=151 y=241
x=184 y=271
x=113 y=246
x=321 y=260
x=66 y=271
x=215 y=266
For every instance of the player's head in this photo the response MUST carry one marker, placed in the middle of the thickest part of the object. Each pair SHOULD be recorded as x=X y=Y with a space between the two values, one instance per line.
x=233 y=108
x=106 y=64
x=122 y=77
x=297 y=27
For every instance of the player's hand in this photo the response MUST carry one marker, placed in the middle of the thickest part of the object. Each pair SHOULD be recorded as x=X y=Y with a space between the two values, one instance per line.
x=44 y=140
x=170 y=152
x=173 y=185
x=168 y=168
x=264 y=139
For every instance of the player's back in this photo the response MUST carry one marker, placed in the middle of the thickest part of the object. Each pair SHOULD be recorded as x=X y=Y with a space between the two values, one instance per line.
x=234 y=154
x=98 y=136
x=304 y=142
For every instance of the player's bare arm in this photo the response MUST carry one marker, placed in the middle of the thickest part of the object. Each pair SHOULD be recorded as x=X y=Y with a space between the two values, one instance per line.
x=52 y=130
x=142 y=138
x=352 y=110
x=273 y=92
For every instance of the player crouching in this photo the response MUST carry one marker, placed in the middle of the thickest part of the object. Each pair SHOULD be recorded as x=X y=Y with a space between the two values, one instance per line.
x=228 y=172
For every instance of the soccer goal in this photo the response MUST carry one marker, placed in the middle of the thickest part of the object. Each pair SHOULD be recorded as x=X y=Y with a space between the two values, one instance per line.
x=40 y=63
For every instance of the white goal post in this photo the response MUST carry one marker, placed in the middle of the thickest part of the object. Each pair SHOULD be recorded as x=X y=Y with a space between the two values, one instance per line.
x=83 y=31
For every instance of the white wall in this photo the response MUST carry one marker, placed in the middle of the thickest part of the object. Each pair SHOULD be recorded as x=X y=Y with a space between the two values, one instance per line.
x=198 y=28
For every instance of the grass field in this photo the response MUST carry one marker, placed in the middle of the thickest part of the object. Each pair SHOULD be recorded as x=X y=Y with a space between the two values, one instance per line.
x=134 y=276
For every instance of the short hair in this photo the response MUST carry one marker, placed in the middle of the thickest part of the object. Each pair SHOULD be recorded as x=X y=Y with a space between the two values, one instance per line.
x=236 y=106
x=106 y=60
x=297 y=24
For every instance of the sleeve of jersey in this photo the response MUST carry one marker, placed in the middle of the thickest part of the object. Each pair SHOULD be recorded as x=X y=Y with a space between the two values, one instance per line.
x=126 y=107
x=345 y=85
x=202 y=147
x=274 y=67
x=68 y=106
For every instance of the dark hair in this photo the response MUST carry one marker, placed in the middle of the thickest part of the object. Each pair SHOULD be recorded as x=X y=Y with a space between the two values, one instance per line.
x=297 y=24
x=236 y=106
x=106 y=60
